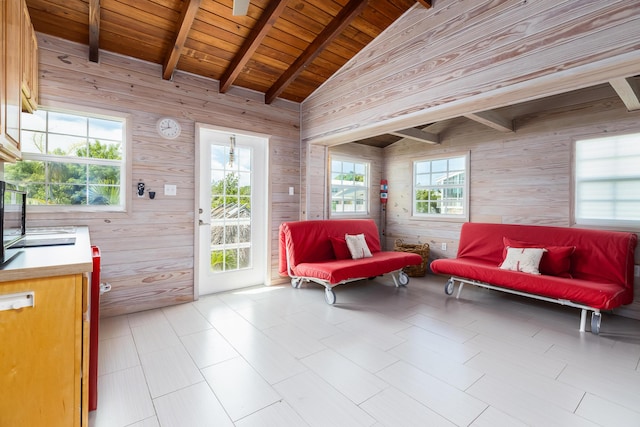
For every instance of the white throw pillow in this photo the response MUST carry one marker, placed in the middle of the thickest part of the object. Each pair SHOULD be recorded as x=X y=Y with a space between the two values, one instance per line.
x=357 y=246
x=526 y=260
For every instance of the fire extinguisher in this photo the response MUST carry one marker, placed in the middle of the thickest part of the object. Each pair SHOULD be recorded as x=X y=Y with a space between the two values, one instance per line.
x=384 y=193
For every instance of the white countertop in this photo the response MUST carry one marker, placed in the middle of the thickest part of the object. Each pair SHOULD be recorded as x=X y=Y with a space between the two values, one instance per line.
x=48 y=261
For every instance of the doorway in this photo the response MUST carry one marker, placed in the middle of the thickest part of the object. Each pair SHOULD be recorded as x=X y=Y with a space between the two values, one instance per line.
x=231 y=235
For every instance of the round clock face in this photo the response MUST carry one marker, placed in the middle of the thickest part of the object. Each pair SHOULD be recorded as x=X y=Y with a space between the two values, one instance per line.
x=168 y=128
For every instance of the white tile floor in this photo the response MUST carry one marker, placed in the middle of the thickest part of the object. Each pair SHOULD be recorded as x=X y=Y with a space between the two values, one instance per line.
x=381 y=356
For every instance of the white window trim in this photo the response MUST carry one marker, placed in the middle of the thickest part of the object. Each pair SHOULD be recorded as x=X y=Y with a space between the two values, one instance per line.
x=464 y=217
x=367 y=163
x=126 y=188
x=595 y=223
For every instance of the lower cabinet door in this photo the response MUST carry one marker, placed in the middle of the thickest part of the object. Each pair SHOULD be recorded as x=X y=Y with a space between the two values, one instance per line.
x=40 y=352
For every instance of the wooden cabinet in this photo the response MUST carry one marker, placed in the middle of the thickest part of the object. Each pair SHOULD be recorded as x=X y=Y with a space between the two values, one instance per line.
x=19 y=72
x=43 y=353
x=12 y=70
x=29 y=64
x=3 y=90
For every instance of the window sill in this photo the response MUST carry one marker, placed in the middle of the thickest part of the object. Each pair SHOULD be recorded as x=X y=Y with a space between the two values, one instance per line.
x=349 y=215
x=438 y=219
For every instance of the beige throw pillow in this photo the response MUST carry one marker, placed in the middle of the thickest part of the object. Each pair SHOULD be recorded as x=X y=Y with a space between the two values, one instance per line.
x=526 y=260
x=357 y=246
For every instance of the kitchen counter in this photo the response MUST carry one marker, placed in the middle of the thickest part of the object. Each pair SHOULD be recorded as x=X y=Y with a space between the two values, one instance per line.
x=45 y=330
x=49 y=261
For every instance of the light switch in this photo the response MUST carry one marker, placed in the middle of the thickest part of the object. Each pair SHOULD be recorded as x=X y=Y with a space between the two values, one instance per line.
x=170 y=190
x=291 y=191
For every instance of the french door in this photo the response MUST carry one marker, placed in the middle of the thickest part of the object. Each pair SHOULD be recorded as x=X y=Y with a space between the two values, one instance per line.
x=231 y=210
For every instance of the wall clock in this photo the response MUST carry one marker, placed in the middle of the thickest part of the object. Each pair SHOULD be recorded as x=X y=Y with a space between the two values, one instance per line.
x=168 y=128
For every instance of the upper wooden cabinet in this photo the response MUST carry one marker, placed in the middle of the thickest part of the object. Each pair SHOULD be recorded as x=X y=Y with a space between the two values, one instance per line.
x=19 y=72
x=29 y=64
x=12 y=94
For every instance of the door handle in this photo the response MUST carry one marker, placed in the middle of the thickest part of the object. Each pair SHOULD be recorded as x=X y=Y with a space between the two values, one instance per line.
x=201 y=222
x=17 y=301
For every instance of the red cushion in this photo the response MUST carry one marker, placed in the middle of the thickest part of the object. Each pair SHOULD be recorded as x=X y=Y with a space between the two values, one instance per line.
x=340 y=248
x=337 y=271
x=556 y=261
x=596 y=294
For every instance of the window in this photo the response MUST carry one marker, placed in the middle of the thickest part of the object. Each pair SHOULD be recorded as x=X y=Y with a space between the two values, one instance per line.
x=71 y=159
x=440 y=187
x=349 y=187
x=607 y=180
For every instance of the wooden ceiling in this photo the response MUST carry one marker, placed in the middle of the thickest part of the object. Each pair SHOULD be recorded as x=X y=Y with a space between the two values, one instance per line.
x=282 y=48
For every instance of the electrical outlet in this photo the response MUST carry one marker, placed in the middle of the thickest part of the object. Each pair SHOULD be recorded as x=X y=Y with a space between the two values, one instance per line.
x=170 y=190
x=444 y=246
x=636 y=270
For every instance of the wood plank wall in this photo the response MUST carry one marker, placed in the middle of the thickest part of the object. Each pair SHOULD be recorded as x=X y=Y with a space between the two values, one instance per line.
x=148 y=253
x=314 y=173
x=317 y=187
x=520 y=178
x=467 y=56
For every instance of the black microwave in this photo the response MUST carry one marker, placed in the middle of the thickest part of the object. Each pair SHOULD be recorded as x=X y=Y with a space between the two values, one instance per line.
x=13 y=205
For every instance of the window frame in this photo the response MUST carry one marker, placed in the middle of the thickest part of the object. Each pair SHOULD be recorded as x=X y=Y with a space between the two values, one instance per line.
x=575 y=181
x=125 y=177
x=463 y=217
x=366 y=187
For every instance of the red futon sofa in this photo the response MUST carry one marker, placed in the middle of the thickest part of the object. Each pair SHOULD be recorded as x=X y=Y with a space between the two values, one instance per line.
x=316 y=251
x=588 y=269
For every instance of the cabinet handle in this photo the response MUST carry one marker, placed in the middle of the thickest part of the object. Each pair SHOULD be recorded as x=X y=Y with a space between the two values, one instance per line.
x=17 y=301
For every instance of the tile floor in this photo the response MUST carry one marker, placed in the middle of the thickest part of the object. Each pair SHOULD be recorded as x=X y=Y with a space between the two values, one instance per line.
x=278 y=356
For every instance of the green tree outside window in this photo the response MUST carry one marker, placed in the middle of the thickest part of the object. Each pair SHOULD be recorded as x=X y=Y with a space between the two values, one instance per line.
x=70 y=159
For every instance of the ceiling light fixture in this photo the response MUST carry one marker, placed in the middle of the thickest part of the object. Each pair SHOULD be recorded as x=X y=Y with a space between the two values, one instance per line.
x=240 y=7
x=232 y=150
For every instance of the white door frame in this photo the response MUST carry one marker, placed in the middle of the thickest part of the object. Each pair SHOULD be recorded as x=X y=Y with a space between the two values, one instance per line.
x=267 y=208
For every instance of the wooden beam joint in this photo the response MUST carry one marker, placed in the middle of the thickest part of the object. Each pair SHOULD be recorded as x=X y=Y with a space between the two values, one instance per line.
x=94 y=30
x=417 y=135
x=492 y=119
x=331 y=31
x=629 y=92
x=256 y=36
x=182 y=30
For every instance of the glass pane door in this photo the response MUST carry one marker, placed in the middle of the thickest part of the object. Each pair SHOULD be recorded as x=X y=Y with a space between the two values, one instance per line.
x=232 y=252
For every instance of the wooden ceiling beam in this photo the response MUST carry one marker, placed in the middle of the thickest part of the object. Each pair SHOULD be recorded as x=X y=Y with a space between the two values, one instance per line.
x=437 y=127
x=183 y=27
x=256 y=36
x=335 y=27
x=94 y=30
x=425 y=3
x=417 y=135
x=628 y=91
x=492 y=119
